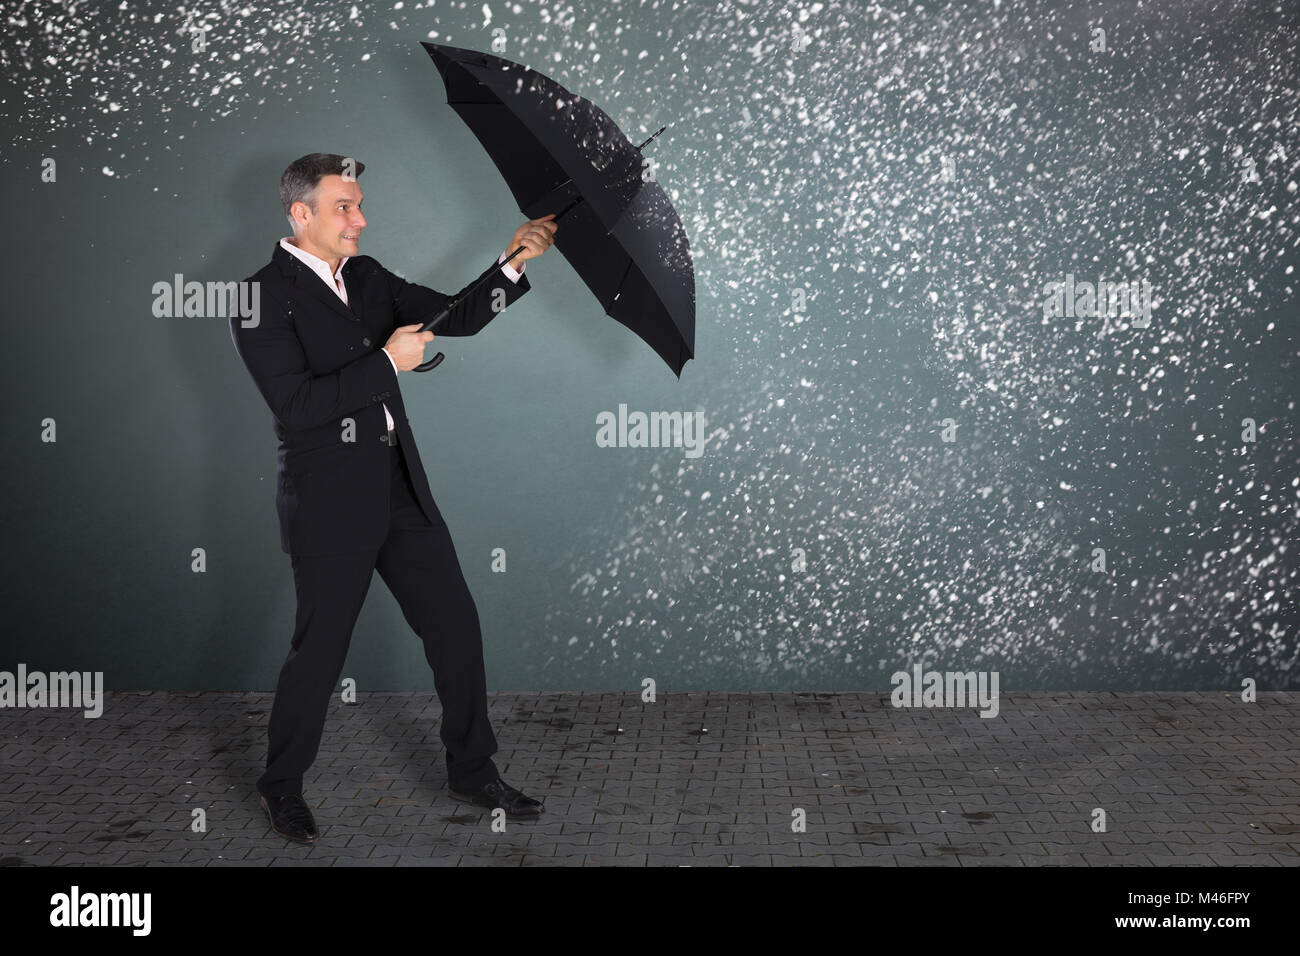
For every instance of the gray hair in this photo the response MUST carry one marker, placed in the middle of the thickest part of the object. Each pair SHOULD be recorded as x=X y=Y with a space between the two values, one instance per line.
x=303 y=175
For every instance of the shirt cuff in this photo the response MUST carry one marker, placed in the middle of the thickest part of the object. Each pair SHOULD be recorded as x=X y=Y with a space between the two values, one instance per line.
x=511 y=272
x=390 y=360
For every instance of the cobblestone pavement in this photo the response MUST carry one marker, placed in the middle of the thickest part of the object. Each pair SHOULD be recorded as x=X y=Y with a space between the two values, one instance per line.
x=702 y=779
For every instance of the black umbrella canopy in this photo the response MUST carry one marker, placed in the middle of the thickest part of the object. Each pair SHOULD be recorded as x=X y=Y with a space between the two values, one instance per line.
x=559 y=152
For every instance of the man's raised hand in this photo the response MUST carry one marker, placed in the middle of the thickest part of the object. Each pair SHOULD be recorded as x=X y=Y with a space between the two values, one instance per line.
x=536 y=236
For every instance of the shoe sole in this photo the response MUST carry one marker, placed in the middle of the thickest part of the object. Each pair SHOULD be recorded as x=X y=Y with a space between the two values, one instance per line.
x=295 y=839
x=464 y=798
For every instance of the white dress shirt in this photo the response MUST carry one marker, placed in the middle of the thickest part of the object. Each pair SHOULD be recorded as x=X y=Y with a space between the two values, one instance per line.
x=335 y=282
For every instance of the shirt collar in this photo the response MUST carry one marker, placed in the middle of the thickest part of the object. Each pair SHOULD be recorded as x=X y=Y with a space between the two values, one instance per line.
x=315 y=262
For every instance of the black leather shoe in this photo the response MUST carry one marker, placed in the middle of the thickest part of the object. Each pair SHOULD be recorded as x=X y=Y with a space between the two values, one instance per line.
x=498 y=793
x=291 y=817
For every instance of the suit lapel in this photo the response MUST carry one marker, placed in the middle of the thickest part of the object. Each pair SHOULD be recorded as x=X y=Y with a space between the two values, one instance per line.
x=293 y=268
x=356 y=300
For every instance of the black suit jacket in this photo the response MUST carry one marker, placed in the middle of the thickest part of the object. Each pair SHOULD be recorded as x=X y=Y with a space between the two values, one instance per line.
x=319 y=363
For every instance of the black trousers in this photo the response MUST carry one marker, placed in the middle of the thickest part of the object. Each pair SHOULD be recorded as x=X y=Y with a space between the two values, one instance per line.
x=418 y=563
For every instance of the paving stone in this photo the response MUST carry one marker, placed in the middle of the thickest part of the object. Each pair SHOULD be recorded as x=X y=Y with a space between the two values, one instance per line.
x=1185 y=779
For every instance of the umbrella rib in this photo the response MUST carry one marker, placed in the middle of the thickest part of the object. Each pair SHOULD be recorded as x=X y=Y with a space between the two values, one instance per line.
x=621 y=281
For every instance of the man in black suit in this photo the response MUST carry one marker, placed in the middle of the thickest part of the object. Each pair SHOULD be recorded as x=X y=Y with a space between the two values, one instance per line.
x=333 y=331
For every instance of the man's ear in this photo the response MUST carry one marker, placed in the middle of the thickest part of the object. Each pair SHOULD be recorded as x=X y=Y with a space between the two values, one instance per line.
x=294 y=218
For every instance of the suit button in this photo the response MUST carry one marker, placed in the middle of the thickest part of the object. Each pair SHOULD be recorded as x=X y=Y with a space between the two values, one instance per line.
x=365 y=342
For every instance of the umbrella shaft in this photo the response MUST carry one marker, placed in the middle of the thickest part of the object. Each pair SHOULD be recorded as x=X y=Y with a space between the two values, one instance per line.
x=568 y=207
x=451 y=303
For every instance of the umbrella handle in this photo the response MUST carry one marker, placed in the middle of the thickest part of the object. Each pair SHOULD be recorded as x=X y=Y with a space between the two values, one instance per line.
x=431 y=364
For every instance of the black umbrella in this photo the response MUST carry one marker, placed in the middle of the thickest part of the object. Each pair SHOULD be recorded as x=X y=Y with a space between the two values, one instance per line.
x=560 y=152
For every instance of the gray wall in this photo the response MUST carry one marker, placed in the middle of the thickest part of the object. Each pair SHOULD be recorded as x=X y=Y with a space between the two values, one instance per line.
x=814 y=173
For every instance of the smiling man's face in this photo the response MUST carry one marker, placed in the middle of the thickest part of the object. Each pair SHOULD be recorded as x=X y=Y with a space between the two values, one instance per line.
x=334 y=229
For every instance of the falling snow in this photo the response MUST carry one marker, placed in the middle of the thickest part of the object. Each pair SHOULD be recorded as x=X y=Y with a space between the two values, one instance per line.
x=875 y=196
